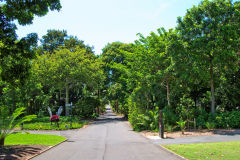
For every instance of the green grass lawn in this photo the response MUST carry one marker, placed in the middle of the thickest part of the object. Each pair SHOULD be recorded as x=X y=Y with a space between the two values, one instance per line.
x=211 y=151
x=33 y=139
x=48 y=126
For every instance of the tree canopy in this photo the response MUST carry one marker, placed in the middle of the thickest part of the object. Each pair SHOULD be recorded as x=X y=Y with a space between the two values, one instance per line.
x=16 y=54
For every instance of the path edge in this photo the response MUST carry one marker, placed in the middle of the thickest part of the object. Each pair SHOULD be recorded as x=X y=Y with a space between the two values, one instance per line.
x=161 y=146
x=168 y=150
x=50 y=147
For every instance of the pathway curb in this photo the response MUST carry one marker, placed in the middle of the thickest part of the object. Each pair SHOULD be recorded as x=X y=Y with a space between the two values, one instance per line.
x=173 y=152
x=47 y=149
x=161 y=146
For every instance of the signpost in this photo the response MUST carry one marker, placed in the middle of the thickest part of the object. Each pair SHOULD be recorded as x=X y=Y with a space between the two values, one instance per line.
x=69 y=106
x=67 y=109
x=161 y=128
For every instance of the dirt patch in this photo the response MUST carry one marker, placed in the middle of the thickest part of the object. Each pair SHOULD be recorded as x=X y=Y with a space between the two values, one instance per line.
x=21 y=152
x=191 y=133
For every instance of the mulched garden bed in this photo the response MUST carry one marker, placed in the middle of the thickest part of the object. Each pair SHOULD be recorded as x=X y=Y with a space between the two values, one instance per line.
x=191 y=133
x=21 y=152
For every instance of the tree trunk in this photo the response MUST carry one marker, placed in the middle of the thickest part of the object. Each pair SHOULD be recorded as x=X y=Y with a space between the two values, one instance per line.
x=67 y=100
x=212 y=89
x=168 y=93
x=117 y=106
x=2 y=141
x=98 y=107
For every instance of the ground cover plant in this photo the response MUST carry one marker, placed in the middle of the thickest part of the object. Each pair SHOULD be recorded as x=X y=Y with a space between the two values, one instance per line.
x=202 y=151
x=48 y=126
x=33 y=139
x=43 y=123
x=62 y=119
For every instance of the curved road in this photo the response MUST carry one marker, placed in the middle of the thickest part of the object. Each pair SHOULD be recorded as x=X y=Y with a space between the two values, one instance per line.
x=108 y=138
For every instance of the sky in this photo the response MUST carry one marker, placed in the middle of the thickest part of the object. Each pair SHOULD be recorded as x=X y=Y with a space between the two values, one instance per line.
x=98 y=22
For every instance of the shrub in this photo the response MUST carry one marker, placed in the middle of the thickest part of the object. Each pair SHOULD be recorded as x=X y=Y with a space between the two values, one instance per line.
x=169 y=117
x=210 y=125
x=62 y=119
x=148 y=121
x=8 y=123
x=182 y=125
x=94 y=116
x=169 y=128
x=228 y=119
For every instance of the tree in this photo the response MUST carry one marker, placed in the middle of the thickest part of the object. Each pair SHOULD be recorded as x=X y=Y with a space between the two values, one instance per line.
x=156 y=55
x=58 y=39
x=24 y=11
x=53 y=40
x=66 y=70
x=15 y=55
x=210 y=32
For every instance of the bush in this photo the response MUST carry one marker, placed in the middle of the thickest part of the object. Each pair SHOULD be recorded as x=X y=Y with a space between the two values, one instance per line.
x=220 y=120
x=94 y=116
x=148 y=121
x=9 y=121
x=210 y=125
x=169 y=128
x=228 y=119
x=86 y=107
x=202 y=118
x=182 y=125
x=133 y=114
x=169 y=117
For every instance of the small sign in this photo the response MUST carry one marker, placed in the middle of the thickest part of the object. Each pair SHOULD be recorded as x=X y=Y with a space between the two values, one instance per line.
x=67 y=105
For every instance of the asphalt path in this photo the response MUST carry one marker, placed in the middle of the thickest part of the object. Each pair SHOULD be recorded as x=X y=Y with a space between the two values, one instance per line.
x=198 y=139
x=108 y=138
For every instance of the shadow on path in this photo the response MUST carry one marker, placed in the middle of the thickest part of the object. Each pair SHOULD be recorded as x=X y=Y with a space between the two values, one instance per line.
x=227 y=132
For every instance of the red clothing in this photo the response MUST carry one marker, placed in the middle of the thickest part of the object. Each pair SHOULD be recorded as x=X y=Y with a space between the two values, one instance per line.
x=54 y=118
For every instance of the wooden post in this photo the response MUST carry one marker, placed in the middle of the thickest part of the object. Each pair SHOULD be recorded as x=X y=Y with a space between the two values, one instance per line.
x=161 y=128
x=2 y=142
x=71 y=115
x=195 y=125
x=67 y=101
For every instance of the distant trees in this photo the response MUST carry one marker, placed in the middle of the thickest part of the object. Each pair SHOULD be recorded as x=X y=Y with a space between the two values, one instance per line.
x=116 y=80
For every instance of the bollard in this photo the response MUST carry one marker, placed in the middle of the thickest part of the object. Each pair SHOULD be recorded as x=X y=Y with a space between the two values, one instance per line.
x=161 y=128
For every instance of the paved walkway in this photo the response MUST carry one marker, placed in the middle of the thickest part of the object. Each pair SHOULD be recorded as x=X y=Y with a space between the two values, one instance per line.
x=197 y=139
x=109 y=138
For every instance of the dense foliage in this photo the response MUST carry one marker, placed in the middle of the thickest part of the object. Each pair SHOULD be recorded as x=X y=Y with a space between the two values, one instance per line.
x=189 y=72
